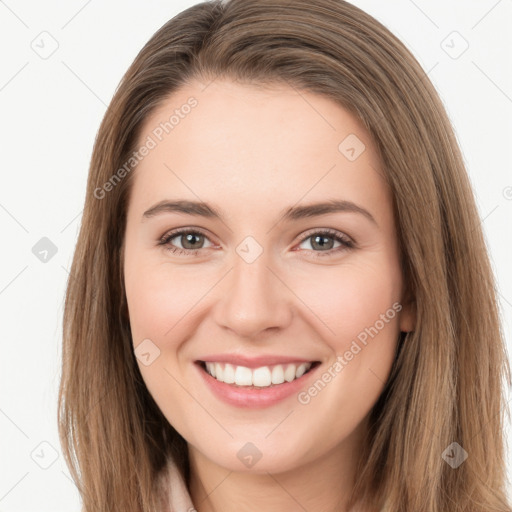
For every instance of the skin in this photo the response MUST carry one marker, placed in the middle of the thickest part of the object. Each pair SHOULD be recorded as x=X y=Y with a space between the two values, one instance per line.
x=244 y=150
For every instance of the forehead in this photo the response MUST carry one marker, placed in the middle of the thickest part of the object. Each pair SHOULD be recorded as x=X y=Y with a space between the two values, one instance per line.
x=250 y=147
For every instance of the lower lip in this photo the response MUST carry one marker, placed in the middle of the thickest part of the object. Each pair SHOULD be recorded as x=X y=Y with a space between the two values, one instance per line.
x=252 y=397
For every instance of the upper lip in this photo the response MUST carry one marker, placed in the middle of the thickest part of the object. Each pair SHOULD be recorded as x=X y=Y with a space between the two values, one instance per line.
x=253 y=361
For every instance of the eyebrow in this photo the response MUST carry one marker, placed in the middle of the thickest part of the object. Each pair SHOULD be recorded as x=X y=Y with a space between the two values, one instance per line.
x=292 y=213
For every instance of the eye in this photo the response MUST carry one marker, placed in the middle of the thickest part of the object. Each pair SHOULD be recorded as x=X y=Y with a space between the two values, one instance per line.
x=325 y=240
x=190 y=241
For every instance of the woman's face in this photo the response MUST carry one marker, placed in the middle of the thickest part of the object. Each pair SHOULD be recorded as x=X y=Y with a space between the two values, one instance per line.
x=258 y=282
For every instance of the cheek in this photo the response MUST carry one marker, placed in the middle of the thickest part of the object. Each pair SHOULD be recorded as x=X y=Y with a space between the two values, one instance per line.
x=358 y=309
x=158 y=300
x=351 y=300
x=160 y=305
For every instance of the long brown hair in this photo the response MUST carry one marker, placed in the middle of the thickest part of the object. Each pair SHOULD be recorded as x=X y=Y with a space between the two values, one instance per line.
x=447 y=381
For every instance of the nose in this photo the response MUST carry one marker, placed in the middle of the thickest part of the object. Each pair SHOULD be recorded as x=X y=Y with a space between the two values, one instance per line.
x=254 y=299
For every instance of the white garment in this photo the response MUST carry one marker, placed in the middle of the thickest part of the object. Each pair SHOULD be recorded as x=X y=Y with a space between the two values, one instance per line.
x=176 y=490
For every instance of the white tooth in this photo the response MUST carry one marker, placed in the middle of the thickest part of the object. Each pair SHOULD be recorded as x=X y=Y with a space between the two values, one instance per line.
x=243 y=376
x=210 y=367
x=229 y=374
x=289 y=373
x=261 y=377
x=278 y=374
x=219 y=373
x=301 y=370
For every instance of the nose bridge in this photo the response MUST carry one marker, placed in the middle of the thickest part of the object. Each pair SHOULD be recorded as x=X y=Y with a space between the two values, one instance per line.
x=254 y=298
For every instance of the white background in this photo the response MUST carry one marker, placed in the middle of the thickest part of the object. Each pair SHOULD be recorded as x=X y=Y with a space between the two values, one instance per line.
x=50 y=112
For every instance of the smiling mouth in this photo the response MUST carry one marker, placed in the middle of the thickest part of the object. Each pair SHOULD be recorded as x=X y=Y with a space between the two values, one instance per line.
x=257 y=378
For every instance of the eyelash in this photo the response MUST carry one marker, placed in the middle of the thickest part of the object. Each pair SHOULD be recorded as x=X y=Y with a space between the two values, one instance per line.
x=346 y=243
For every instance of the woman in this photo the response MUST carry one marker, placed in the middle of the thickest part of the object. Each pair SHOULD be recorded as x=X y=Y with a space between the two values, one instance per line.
x=281 y=295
